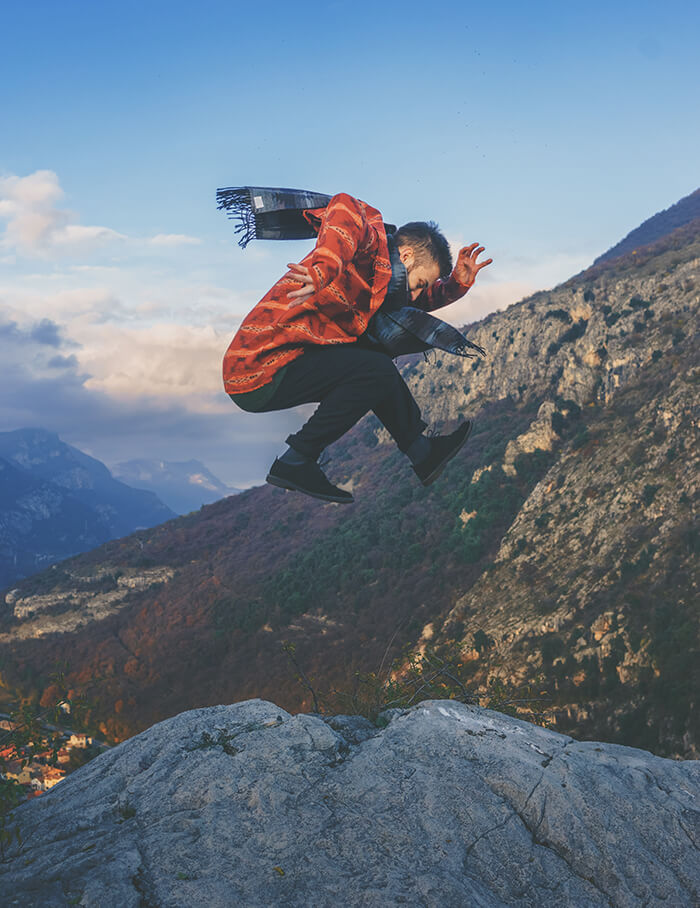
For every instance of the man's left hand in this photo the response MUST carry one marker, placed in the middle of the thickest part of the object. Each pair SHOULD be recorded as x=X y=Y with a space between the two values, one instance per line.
x=467 y=267
x=301 y=275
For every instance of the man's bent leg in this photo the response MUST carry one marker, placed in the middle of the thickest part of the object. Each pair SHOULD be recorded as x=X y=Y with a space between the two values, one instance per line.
x=348 y=381
x=400 y=415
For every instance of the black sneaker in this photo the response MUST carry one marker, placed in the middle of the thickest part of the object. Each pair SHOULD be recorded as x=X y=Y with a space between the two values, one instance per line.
x=308 y=478
x=443 y=449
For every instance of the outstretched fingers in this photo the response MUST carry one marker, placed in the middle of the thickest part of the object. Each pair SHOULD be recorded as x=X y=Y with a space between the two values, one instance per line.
x=473 y=252
x=468 y=250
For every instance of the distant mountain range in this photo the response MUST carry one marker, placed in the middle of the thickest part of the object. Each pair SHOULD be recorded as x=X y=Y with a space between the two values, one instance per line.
x=56 y=501
x=557 y=553
x=183 y=486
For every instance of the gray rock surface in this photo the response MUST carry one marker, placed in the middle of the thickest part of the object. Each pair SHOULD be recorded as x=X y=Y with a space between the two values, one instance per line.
x=448 y=805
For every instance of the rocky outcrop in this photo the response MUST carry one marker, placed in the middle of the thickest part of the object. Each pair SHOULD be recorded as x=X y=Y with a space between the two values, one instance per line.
x=540 y=436
x=447 y=805
x=90 y=597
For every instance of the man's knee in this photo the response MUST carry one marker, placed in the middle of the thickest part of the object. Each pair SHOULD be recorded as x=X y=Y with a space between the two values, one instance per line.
x=377 y=365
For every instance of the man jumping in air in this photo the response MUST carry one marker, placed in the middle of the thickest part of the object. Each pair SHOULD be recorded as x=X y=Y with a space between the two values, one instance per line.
x=307 y=340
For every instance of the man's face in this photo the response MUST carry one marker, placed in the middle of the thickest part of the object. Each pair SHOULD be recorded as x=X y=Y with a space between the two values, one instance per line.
x=420 y=276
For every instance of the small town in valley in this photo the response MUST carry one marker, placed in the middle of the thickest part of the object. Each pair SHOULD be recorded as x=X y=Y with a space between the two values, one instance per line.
x=39 y=765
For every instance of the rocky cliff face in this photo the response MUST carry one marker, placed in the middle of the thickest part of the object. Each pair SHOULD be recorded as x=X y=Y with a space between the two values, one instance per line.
x=581 y=342
x=85 y=598
x=594 y=586
x=446 y=805
x=558 y=548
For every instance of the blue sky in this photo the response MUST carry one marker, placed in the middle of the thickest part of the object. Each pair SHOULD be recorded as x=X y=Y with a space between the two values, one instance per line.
x=544 y=131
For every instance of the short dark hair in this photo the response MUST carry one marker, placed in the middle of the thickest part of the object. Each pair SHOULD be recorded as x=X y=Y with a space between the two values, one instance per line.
x=428 y=242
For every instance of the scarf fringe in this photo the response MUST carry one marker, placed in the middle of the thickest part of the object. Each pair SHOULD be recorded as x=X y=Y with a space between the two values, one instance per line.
x=236 y=202
x=430 y=356
x=468 y=345
x=270 y=213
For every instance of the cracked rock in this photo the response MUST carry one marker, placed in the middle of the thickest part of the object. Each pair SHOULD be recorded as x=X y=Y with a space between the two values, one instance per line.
x=448 y=805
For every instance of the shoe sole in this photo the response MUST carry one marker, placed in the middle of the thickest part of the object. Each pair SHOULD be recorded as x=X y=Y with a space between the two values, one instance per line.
x=429 y=480
x=294 y=487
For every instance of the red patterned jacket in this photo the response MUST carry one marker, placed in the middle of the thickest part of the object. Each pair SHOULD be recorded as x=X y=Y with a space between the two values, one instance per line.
x=351 y=271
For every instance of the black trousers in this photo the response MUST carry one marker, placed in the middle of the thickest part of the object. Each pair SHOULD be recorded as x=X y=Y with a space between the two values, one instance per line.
x=348 y=381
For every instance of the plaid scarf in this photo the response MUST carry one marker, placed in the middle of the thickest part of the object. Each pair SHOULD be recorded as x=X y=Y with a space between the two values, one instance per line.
x=268 y=213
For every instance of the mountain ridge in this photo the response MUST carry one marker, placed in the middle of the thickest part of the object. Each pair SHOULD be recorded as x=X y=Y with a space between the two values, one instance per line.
x=184 y=486
x=656 y=227
x=56 y=501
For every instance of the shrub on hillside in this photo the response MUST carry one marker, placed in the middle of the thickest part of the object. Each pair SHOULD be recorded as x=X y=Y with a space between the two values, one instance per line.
x=417 y=675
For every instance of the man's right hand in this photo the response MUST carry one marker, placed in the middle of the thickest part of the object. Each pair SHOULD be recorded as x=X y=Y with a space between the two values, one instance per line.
x=300 y=274
x=467 y=267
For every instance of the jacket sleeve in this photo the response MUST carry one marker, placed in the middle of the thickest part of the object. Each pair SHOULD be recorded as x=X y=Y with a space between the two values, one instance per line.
x=344 y=229
x=441 y=293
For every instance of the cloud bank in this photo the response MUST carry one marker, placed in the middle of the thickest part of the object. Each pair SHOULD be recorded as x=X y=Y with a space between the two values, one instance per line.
x=36 y=225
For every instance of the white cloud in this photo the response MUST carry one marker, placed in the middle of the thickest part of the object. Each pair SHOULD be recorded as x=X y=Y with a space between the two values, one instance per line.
x=70 y=307
x=38 y=189
x=484 y=298
x=45 y=383
x=78 y=235
x=166 y=361
x=37 y=226
x=507 y=280
x=135 y=349
x=96 y=269
x=174 y=239
x=27 y=203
